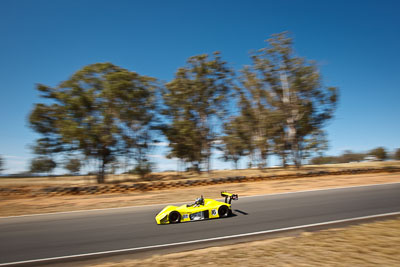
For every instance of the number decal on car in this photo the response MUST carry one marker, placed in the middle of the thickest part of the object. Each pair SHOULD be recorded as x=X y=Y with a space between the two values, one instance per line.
x=214 y=212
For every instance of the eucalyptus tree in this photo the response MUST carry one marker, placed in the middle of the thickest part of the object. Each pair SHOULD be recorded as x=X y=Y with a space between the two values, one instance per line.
x=235 y=141
x=290 y=88
x=101 y=111
x=196 y=103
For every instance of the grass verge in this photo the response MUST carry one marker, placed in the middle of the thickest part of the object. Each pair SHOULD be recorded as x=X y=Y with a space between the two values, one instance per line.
x=369 y=244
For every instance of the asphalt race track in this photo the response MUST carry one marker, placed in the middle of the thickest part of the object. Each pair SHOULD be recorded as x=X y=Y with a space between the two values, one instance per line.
x=63 y=234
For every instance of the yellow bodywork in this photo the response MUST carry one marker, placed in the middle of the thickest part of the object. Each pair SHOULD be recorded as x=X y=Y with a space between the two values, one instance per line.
x=192 y=212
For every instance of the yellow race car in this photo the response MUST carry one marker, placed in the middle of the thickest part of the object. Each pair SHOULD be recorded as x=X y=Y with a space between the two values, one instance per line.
x=201 y=209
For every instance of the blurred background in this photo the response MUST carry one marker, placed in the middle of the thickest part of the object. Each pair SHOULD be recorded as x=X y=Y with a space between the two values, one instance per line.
x=354 y=46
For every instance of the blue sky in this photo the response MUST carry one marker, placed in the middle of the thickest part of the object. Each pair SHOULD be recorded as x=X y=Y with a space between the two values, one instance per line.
x=356 y=44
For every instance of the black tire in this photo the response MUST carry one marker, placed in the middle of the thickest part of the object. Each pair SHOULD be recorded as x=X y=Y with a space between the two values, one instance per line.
x=223 y=211
x=174 y=217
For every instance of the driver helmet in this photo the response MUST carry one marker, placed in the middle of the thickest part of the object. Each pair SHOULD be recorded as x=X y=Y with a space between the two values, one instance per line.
x=200 y=200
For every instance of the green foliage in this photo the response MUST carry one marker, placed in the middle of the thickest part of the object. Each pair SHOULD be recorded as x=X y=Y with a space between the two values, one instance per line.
x=101 y=110
x=350 y=156
x=105 y=112
x=73 y=165
x=42 y=165
x=397 y=154
x=315 y=143
x=379 y=152
x=196 y=101
x=235 y=140
x=323 y=160
x=346 y=157
x=143 y=169
x=256 y=125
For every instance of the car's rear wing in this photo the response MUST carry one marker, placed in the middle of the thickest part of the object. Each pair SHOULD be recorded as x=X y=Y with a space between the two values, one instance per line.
x=229 y=196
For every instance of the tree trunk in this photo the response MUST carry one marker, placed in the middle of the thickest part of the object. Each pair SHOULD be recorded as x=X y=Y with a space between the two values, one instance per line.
x=100 y=175
x=284 y=164
x=296 y=154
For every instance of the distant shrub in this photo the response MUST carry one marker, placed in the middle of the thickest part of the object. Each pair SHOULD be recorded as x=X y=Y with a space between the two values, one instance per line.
x=397 y=154
x=379 y=152
x=324 y=160
x=349 y=156
x=142 y=169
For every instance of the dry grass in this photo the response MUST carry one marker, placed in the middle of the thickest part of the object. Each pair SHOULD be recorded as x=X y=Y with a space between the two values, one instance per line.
x=18 y=206
x=370 y=244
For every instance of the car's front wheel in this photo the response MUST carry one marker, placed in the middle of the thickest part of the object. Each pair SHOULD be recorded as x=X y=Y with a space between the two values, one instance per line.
x=223 y=211
x=174 y=217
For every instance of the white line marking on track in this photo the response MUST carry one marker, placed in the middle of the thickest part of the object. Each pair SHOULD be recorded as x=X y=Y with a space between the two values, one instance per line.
x=200 y=240
x=163 y=204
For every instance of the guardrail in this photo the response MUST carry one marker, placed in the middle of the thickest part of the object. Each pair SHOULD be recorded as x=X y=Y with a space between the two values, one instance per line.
x=161 y=185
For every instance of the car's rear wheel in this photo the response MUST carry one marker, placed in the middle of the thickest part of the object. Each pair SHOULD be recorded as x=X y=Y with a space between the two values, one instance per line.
x=223 y=211
x=174 y=217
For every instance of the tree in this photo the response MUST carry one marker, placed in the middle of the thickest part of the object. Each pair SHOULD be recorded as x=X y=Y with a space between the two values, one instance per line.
x=196 y=101
x=290 y=88
x=260 y=124
x=42 y=165
x=315 y=143
x=184 y=141
x=397 y=154
x=379 y=152
x=101 y=111
x=350 y=156
x=1 y=164
x=73 y=165
x=235 y=141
